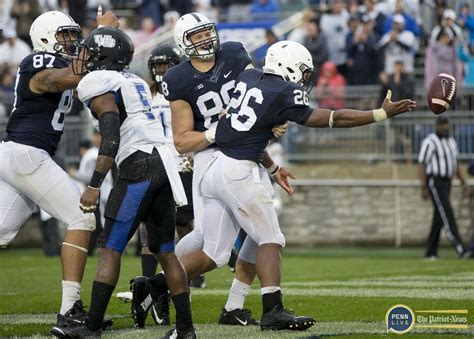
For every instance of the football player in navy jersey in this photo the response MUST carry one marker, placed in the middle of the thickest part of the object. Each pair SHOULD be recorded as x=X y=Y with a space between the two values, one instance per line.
x=28 y=175
x=199 y=90
x=148 y=187
x=261 y=100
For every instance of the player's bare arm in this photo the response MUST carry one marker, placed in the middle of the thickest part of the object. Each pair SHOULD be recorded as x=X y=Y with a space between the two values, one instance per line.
x=109 y=123
x=54 y=80
x=185 y=138
x=346 y=118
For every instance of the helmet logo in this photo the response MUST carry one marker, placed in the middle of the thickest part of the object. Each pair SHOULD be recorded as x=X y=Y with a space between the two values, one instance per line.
x=104 y=40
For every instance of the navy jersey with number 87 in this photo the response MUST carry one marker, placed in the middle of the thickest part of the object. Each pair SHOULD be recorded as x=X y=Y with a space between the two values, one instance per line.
x=38 y=119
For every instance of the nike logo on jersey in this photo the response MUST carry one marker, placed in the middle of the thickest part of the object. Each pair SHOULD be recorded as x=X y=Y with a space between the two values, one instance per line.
x=242 y=322
x=226 y=75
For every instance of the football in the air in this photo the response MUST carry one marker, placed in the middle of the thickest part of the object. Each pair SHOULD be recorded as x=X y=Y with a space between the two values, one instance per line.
x=441 y=93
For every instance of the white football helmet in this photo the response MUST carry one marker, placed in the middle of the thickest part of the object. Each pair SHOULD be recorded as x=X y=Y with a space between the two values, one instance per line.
x=44 y=33
x=190 y=24
x=290 y=60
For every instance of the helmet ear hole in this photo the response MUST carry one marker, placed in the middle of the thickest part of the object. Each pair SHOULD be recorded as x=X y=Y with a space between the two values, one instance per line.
x=44 y=40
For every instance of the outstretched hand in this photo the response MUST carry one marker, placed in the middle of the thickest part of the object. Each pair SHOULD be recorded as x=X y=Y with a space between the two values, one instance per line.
x=397 y=107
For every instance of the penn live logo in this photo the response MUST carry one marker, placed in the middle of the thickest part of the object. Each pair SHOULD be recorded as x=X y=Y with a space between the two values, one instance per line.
x=401 y=319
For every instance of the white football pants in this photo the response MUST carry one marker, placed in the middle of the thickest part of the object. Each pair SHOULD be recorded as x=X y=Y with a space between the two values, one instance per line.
x=237 y=193
x=194 y=241
x=29 y=177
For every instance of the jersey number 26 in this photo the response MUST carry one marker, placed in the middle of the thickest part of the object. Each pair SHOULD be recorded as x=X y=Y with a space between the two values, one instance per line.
x=246 y=117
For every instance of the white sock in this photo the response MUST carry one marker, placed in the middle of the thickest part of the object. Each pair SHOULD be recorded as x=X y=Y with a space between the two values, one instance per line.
x=71 y=293
x=270 y=289
x=237 y=294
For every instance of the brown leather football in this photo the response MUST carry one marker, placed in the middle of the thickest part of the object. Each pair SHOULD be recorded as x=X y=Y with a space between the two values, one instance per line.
x=441 y=93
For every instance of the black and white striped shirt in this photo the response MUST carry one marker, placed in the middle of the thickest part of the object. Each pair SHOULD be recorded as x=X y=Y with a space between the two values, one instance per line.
x=439 y=156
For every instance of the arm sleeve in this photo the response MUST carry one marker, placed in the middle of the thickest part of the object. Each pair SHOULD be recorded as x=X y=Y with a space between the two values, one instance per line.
x=97 y=83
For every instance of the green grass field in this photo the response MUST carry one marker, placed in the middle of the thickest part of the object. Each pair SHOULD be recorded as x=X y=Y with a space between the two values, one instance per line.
x=348 y=291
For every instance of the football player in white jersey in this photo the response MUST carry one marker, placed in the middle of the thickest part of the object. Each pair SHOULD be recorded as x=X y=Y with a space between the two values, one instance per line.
x=148 y=182
x=28 y=175
x=161 y=59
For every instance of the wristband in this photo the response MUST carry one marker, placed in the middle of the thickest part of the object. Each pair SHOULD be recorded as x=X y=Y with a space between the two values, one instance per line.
x=97 y=179
x=210 y=135
x=273 y=169
x=331 y=119
x=379 y=114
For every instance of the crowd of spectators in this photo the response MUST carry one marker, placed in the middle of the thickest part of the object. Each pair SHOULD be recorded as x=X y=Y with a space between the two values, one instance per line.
x=377 y=42
x=353 y=42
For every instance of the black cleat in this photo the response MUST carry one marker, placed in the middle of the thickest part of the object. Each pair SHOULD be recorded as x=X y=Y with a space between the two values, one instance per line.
x=141 y=301
x=160 y=310
x=174 y=333
x=198 y=282
x=74 y=331
x=76 y=315
x=239 y=317
x=280 y=319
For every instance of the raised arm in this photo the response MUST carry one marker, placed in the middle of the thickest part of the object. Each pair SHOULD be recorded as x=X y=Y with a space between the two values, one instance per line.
x=346 y=118
x=54 y=80
x=185 y=138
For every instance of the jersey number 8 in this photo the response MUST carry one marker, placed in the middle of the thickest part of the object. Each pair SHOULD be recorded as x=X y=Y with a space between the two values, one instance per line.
x=64 y=107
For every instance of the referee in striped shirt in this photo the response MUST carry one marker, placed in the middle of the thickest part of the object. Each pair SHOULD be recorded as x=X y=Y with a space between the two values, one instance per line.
x=437 y=165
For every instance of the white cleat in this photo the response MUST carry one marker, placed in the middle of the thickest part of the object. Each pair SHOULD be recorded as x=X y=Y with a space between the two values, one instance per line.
x=125 y=297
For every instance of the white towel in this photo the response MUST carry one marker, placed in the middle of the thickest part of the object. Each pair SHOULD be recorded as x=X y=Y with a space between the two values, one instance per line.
x=173 y=176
